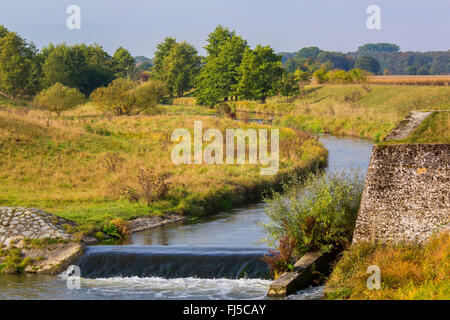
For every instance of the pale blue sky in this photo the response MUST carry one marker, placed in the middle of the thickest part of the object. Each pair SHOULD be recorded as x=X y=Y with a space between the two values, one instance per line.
x=286 y=25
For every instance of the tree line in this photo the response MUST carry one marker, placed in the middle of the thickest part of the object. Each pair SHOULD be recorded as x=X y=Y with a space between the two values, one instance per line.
x=377 y=58
x=230 y=70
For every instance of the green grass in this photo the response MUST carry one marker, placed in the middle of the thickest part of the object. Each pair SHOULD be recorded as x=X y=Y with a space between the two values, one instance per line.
x=58 y=164
x=349 y=110
x=434 y=129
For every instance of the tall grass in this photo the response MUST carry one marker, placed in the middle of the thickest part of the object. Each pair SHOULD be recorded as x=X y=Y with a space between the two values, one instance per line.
x=407 y=271
x=64 y=165
x=350 y=110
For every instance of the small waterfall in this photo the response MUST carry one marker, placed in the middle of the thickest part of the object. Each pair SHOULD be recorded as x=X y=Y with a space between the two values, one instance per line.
x=173 y=262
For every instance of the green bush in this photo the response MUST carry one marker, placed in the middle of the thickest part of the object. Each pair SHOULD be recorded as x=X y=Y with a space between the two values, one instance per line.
x=319 y=214
x=59 y=98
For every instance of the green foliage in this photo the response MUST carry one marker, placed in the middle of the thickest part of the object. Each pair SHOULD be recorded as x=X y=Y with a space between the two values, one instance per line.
x=368 y=63
x=111 y=230
x=79 y=66
x=370 y=48
x=59 y=98
x=162 y=51
x=125 y=97
x=258 y=73
x=181 y=67
x=177 y=65
x=116 y=229
x=321 y=75
x=320 y=215
x=13 y=262
x=220 y=71
x=336 y=60
x=124 y=64
x=287 y=85
x=18 y=72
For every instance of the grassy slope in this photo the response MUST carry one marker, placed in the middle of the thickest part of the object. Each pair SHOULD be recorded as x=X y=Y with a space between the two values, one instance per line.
x=58 y=165
x=407 y=271
x=434 y=129
x=350 y=110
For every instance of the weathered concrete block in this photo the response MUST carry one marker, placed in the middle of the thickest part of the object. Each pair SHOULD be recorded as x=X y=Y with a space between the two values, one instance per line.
x=406 y=194
x=306 y=270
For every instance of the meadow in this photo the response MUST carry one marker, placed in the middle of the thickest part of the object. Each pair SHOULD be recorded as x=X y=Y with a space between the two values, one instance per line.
x=92 y=168
x=348 y=110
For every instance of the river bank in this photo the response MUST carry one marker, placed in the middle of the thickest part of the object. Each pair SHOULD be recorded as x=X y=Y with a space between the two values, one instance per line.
x=236 y=231
x=94 y=169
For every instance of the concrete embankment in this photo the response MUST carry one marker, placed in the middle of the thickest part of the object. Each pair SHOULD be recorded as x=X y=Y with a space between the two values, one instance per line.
x=406 y=193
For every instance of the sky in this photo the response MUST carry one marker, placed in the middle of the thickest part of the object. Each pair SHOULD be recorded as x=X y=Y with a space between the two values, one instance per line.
x=286 y=25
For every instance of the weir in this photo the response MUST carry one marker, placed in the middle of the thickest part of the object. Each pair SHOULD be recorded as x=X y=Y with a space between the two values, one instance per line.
x=173 y=262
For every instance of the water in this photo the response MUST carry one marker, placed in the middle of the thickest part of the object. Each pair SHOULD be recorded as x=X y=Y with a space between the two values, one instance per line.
x=213 y=258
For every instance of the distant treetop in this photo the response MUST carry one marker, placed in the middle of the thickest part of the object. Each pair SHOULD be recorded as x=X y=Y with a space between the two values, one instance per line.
x=377 y=47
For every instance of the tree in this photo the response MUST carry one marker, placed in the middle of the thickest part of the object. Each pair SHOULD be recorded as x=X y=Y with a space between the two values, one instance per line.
x=258 y=73
x=83 y=67
x=336 y=60
x=17 y=74
x=287 y=85
x=126 y=97
x=219 y=74
x=158 y=89
x=302 y=77
x=217 y=39
x=370 y=48
x=368 y=63
x=162 y=51
x=181 y=67
x=59 y=98
x=124 y=64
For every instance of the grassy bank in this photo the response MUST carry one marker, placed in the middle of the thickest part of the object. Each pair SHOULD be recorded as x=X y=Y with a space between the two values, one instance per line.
x=434 y=129
x=350 y=110
x=407 y=271
x=88 y=167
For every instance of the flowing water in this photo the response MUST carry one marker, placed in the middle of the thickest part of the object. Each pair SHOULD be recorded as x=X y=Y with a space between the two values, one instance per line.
x=217 y=257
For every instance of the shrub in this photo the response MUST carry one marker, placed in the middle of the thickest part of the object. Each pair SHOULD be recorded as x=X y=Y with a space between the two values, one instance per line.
x=117 y=229
x=154 y=186
x=125 y=97
x=339 y=76
x=321 y=75
x=320 y=215
x=59 y=98
x=282 y=260
x=112 y=161
x=130 y=193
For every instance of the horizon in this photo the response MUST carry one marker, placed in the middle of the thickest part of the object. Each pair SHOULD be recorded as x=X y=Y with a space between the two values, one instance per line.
x=342 y=28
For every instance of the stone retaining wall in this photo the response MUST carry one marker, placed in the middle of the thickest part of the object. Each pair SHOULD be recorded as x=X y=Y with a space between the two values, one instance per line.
x=17 y=223
x=406 y=193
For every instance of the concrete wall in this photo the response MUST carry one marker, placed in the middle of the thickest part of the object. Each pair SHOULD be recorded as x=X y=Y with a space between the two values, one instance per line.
x=406 y=193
